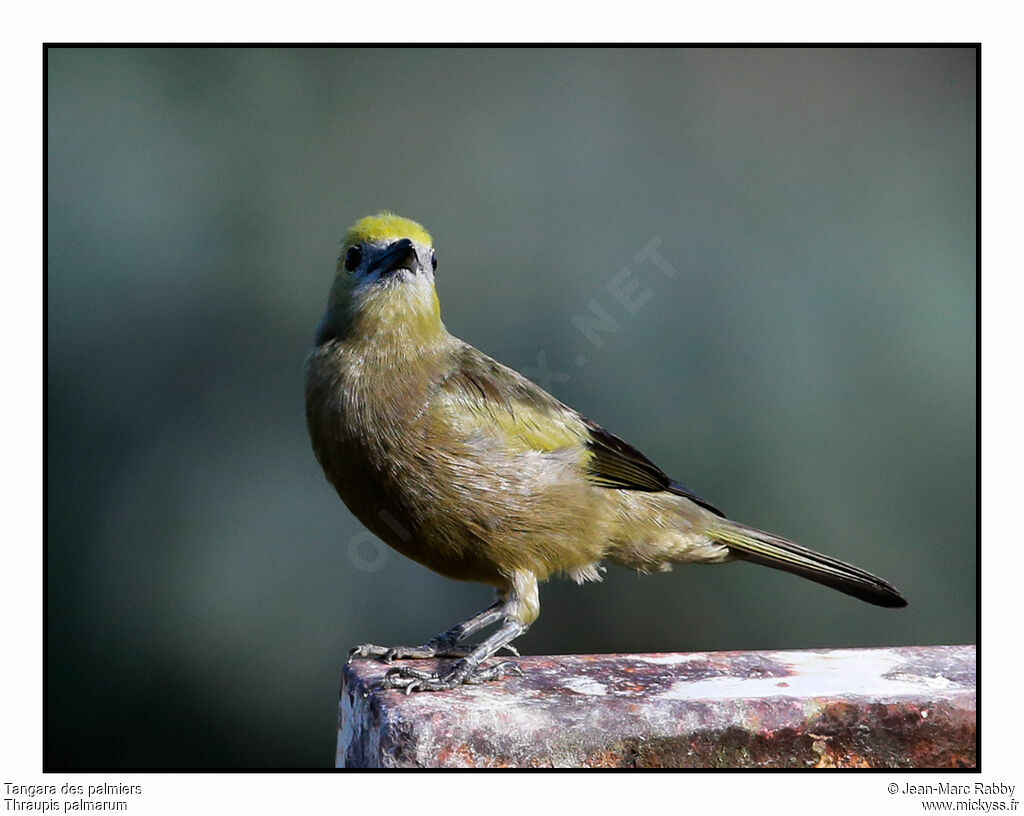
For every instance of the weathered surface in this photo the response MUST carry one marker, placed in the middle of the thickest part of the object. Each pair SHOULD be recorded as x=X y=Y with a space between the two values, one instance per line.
x=900 y=707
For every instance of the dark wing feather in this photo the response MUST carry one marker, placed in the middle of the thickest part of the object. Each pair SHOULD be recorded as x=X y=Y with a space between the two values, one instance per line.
x=618 y=464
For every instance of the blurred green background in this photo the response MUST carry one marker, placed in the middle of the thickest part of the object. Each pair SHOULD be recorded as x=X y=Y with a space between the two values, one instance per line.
x=810 y=367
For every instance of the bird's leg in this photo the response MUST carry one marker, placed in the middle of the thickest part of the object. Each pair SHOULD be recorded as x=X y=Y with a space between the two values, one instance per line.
x=518 y=608
x=445 y=644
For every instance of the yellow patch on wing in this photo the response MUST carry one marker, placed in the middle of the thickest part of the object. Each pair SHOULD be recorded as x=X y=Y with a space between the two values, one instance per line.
x=483 y=397
x=385 y=227
x=525 y=428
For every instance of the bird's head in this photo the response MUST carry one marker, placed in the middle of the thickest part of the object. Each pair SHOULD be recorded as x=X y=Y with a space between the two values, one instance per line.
x=384 y=282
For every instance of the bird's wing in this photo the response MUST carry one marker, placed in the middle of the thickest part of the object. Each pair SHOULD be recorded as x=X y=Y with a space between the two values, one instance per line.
x=501 y=403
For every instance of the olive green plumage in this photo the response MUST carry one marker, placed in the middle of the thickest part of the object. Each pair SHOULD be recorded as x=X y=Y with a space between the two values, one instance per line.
x=474 y=471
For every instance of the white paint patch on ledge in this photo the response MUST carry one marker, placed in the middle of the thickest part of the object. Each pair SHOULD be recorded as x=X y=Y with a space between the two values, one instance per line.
x=819 y=674
x=585 y=685
x=669 y=659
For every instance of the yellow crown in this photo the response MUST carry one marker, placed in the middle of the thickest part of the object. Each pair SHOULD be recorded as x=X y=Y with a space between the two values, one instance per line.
x=385 y=227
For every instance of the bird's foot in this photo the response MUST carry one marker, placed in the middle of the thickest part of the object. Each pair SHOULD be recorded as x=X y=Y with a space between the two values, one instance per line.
x=433 y=648
x=463 y=673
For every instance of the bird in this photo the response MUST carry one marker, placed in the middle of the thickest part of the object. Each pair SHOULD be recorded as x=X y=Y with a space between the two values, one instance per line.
x=469 y=468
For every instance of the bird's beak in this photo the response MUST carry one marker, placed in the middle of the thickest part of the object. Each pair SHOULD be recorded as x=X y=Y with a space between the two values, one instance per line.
x=400 y=255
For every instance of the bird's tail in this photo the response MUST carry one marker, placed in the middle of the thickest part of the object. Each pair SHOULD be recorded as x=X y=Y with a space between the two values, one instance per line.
x=760 y=547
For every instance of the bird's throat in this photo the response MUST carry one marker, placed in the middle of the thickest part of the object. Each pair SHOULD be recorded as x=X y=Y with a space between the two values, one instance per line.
x=398 y=319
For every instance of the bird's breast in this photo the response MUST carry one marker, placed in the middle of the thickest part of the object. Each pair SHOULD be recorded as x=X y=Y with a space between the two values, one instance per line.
x=447 y=493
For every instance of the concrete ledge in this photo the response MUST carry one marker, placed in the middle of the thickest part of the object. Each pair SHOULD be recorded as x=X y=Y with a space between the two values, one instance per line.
x=899 y=707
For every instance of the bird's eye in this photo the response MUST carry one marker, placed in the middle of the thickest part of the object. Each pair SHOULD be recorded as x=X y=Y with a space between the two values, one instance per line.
x=433 y=260
x=353 y=258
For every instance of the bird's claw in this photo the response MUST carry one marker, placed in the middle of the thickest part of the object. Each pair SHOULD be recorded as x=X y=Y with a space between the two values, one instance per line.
x=388 y=654
x=363 y=650
x=496 y=672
